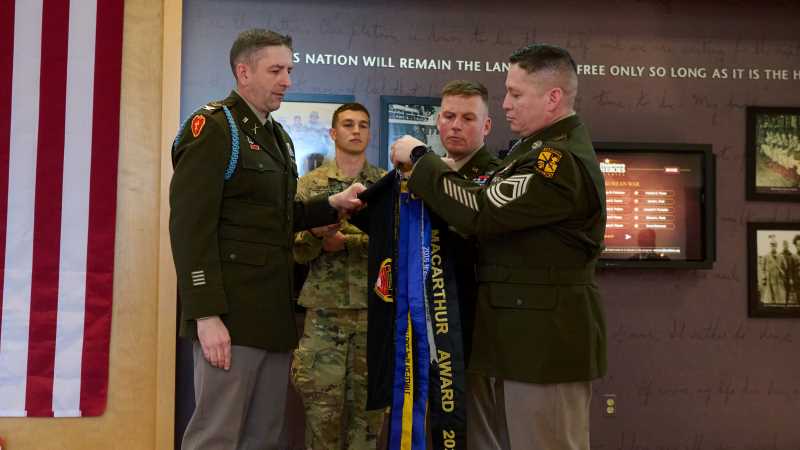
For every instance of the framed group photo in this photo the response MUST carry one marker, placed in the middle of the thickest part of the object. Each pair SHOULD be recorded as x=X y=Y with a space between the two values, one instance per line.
x=415 y=116
x=307 y=119
x=773 y=153
x=773 y=266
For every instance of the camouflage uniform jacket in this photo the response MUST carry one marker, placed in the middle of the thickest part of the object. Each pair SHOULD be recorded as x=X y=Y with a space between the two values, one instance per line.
x=335 y=280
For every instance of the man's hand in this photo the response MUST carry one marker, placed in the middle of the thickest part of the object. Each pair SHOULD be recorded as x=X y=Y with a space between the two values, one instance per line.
x=334 y=242
x=325 y=230
x=401 y=153
x=215 y=341
x=347 y=202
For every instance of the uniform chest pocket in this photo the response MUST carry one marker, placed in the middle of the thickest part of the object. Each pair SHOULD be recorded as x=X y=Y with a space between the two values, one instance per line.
x=262 y=181
x=243 y=252
x=258 y=165
x=523 y=296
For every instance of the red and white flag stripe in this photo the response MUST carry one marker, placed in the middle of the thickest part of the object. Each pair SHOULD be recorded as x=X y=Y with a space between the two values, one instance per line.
x=59 y=144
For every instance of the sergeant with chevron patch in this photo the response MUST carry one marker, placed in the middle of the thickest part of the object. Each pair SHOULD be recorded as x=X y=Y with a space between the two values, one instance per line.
x=540 y=333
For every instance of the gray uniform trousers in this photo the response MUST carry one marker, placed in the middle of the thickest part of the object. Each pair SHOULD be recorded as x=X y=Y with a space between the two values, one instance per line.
x=511 y=415
x=242 y=408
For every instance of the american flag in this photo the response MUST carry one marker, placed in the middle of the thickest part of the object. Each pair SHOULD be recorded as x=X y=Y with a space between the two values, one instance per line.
x=60 y=70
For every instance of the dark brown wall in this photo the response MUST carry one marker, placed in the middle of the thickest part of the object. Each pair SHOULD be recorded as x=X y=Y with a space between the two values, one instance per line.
x=689 y=369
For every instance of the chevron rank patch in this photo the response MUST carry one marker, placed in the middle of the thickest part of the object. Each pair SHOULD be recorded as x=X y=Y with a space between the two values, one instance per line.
x=547 y=162
x=461 y=195
x=506 y=191
x=198 y=122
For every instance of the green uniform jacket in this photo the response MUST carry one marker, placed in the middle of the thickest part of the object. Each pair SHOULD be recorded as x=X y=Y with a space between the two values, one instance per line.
x=465 y=255
x=481 y=163
x=539 y=223
x=232 y=240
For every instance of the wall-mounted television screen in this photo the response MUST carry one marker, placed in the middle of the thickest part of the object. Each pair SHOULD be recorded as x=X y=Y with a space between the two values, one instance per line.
x=660 y=200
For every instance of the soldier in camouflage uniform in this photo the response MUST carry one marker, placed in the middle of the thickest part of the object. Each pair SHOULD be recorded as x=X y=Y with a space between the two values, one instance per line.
x=329 y=368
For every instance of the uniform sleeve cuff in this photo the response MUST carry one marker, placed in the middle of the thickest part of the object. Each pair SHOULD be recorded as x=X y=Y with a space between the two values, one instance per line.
x=203 y=302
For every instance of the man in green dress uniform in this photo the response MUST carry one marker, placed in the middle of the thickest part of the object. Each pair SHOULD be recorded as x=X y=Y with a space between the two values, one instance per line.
x=232 y=220
x=463 y=124
x=540 y=333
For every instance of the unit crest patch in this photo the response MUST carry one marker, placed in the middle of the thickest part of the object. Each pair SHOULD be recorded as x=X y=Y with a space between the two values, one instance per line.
x=383 y=285
x=198 y=122
x=547 y=162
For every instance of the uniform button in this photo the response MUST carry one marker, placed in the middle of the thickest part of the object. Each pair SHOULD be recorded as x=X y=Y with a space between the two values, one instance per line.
x=232 y=256
x=519 y=302
x=260 y=165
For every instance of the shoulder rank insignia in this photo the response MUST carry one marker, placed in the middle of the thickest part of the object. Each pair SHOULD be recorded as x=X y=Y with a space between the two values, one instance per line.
x=212 y=106
x=547 y=162
x=198 y=122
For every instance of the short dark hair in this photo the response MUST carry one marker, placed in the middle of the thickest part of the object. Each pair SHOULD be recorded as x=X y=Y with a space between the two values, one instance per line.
x=796 y=238
x=250 y=41
x=466 y=88
x=535 y=57
x=348 y=107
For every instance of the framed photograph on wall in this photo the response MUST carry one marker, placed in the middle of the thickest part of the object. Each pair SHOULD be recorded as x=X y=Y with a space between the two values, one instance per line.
x=307 y=119
x=415 y=116
x=773 y=153
x=773 y=267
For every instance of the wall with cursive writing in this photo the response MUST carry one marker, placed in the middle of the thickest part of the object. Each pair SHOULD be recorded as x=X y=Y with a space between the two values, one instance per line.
x=688 y=368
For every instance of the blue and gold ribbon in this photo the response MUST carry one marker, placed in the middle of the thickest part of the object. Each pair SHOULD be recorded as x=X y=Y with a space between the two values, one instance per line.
x=412 y=355
x=428 y=359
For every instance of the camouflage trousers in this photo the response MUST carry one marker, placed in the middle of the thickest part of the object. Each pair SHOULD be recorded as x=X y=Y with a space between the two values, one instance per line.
x=329 y=371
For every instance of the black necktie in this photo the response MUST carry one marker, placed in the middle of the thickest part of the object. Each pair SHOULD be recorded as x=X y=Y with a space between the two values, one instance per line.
x=272 y=138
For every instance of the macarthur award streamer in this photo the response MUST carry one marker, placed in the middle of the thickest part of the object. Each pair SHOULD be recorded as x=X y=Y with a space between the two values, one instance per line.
x=415 y=347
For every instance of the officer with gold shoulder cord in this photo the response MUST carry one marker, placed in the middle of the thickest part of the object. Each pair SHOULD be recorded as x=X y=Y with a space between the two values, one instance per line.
x=232 y=222
x=540 y=333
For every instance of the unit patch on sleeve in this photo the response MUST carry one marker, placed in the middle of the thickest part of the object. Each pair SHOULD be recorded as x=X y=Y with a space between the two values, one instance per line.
x=198 y=122
x=547 y=162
